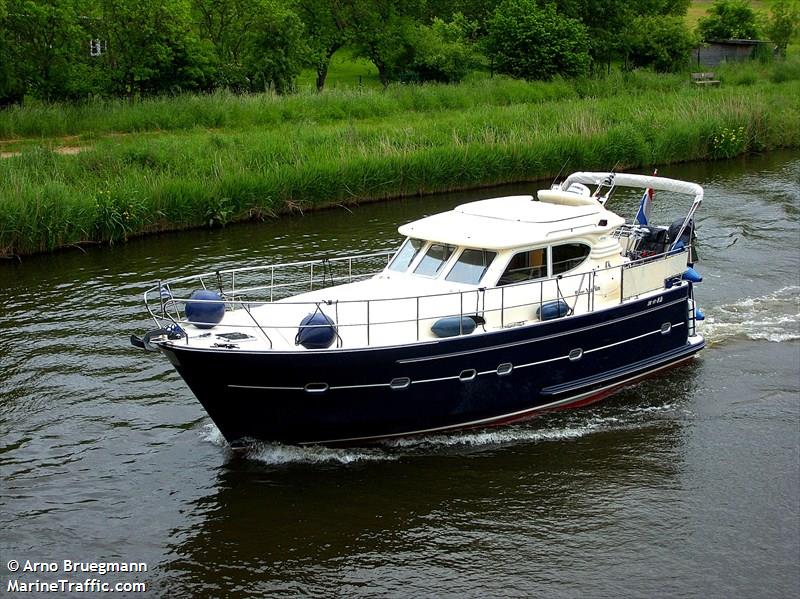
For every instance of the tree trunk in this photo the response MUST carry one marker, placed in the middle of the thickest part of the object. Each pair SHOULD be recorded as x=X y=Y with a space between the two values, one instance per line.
x=322 y=74
x=383 y=73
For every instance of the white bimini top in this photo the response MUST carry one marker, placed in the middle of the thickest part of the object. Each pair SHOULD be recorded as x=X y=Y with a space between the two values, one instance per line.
x=514 y=221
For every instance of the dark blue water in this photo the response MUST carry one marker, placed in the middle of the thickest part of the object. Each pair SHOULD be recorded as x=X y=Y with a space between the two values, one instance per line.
x=685 y=485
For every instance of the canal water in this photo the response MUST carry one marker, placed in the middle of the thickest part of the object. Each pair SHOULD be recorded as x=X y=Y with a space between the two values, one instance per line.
x=685 y=485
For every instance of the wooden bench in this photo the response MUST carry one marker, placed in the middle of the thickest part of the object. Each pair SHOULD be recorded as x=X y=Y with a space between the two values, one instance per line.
x=705 y=79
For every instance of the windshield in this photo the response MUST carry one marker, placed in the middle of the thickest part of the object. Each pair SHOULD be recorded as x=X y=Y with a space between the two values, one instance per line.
x=406 y=254
x=433 y=260
x=471 y=266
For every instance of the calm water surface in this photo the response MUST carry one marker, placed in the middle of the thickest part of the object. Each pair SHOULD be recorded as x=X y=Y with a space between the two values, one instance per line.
x=686 y=485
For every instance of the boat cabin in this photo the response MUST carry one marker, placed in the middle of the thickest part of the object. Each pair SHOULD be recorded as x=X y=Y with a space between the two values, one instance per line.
x=504 y=241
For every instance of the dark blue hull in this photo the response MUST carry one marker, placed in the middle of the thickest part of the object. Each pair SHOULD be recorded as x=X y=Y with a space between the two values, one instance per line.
x=360 y=395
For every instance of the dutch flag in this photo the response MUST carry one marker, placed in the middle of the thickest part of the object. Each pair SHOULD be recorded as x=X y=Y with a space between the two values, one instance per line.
x=643 y=215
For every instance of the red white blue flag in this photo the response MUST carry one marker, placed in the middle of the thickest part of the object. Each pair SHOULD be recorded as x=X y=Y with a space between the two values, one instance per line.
x=643 y=215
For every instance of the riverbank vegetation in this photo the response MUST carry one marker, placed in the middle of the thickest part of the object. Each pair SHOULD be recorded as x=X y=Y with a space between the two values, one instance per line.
x=348 y=147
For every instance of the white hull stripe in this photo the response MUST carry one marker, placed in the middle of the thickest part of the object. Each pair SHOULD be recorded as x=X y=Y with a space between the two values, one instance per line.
x=456 y=377
x=476 y=423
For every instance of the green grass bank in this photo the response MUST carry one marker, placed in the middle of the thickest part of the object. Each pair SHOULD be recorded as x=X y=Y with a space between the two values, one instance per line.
x=208 y=161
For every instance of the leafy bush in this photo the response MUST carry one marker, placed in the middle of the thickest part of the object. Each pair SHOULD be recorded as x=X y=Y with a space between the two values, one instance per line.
x=442 y=51
x=728 y=143
x=532 y=42
x=664 y=43
x=786 y=71
x=274 y=50
x=783 y=24
x=729 y=19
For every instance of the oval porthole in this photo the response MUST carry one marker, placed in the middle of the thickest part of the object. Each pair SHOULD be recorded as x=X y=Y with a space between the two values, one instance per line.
x=505 y=368
x=468 y=375
x=666 y=328
x=575 y=354
x=402 y=382
x=316 y=387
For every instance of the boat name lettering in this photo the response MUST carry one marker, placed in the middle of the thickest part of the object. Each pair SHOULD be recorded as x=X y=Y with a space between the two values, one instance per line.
x=655 y=301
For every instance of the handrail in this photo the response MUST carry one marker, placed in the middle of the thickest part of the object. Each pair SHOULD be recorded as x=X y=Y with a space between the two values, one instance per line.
x=587 y=285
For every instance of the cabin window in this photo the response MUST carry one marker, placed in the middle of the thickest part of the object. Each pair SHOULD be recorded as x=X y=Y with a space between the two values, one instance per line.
x=568 y=256
x=406 y=254
x=434 y=259
x=525 y=266
x=470 y=266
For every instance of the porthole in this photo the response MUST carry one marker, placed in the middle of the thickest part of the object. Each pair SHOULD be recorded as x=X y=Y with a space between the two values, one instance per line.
x=316 y=387
x=468 y=375
x=575 y=354
x=402 y=382
x=666 y=328
x=505 y=368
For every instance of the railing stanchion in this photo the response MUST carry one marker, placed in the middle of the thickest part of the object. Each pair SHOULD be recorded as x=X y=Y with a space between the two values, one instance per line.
x=621 y=283
x=502 y=307
x=160 y=300
x=271 y=282
x=311 y=283
x=417 y=319
x=541 y=299
x=461 y=313
x=367 y=322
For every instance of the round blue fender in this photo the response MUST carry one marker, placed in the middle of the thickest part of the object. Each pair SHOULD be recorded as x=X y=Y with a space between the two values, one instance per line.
x=316 y=331
x=207 y=313
x=451 y=326
x=692 y=275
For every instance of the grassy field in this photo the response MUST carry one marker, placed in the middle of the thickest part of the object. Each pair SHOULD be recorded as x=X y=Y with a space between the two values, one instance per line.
x=207 y=161
x=345 y=71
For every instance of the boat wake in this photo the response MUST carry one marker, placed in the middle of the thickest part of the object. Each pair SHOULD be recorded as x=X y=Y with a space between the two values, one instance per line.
x=512 y=434
x=773 y=317
x=280 y=454
x=274 y=454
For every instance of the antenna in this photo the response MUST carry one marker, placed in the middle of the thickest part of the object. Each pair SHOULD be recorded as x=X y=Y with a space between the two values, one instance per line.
x=561 y=170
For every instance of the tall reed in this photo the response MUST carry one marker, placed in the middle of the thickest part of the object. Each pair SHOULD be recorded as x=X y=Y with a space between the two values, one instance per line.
x=131 y=185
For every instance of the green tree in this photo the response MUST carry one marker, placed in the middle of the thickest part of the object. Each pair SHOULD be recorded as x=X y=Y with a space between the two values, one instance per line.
x=783 y=24
x=225 y=24
x=328 y=25
x=532 y=42
x=610 y=23
x=274 y=50
x=45 y=48
x=661 y=42
x=383 y=31
x=150 y=45
x=729 y=19
x=442 y=51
